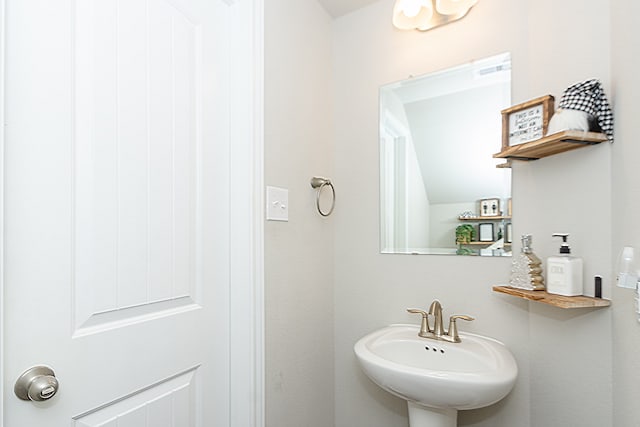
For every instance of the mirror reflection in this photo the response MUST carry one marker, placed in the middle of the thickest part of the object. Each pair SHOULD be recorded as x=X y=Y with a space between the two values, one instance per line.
x=441 y=191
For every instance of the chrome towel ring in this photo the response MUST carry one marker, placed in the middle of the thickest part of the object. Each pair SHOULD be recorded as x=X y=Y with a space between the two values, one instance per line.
x=319 y=183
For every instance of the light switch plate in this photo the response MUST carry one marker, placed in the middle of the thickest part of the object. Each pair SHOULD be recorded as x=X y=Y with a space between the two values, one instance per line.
x=277 y=204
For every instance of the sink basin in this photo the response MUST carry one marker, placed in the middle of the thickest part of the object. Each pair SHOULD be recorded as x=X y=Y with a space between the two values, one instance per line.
x=437 y=375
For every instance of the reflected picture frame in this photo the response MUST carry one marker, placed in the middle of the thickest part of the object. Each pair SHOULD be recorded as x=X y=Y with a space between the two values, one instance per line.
x=489 y=207
x=485 y=232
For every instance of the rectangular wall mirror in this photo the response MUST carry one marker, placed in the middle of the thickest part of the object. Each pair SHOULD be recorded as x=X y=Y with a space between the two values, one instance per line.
x=438 y=180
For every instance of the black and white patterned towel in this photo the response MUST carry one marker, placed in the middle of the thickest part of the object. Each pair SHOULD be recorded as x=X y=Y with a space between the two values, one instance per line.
x=588 y=96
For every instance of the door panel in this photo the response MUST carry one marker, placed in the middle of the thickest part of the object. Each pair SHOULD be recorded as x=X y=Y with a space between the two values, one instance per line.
x=137 y=167
x=167 y=404
x=116 y=210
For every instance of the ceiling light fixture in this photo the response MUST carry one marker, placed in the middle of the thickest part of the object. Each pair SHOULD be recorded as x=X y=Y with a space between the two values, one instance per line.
x=424 y=15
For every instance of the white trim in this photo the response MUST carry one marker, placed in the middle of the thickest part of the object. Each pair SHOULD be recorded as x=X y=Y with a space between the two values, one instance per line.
x=258 y=219
x=3 y=25
x=247 y=250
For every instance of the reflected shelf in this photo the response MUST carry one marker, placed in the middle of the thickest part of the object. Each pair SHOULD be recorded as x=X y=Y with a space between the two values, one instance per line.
x=484 y=218
x=483 y=243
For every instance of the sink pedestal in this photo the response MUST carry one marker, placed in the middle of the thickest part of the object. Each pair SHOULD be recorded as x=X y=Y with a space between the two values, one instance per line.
x=422 y=416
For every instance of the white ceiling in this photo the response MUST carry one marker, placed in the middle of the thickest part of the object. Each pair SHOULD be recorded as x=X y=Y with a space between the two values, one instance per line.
x=338 y=8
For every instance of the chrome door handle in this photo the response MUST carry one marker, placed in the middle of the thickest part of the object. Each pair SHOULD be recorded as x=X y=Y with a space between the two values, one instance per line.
x=37 y=384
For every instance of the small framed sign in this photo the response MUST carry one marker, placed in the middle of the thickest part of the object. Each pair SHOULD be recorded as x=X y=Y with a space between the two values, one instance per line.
x=485 y=230
x=490 y=207
x=527 y=121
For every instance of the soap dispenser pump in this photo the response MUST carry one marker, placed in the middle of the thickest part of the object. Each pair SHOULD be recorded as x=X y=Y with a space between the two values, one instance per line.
x=564 y=272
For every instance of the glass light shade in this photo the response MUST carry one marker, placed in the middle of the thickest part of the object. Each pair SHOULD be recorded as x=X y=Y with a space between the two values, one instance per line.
x=411 y=8
x=411 y=14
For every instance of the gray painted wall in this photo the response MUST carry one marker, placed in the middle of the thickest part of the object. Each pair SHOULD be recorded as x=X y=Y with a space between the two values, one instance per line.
x=326 y=283
x=299 y=253
x=558 y=382
x=625 y=63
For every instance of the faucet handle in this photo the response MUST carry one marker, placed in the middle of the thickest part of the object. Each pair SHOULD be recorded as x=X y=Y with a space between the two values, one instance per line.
x=424 y=326
x=453 y=327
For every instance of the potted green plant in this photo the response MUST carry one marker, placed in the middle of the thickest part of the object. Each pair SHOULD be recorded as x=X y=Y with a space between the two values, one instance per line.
x=465 y=233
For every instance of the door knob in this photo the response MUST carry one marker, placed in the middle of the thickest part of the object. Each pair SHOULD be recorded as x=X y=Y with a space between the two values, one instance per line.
x=37 y=384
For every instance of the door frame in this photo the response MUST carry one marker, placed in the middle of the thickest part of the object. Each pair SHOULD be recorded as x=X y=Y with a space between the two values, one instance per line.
x=3 y=23
x=247 y=226
x=247 y=252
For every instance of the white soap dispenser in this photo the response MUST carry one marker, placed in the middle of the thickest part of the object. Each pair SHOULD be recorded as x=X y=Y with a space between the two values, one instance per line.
x=564 y=272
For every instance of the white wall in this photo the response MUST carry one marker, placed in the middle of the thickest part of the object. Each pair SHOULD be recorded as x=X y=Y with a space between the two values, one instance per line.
x=298 y=253
x=564 y=378
x=444 y=220
x=455 y=139
x=626 y=205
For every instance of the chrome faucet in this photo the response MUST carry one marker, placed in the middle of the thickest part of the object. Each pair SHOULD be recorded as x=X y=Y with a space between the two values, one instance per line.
x=438 y=332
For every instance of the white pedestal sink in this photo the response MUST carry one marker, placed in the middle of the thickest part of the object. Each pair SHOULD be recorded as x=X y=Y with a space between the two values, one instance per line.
x=437 y=378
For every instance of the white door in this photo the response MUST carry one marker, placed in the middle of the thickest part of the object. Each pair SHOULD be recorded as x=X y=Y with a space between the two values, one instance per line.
x=116 y=189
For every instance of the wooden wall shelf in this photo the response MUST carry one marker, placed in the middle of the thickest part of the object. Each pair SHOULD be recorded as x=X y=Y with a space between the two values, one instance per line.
x=484 y=218
x=478 y=243
x=551 y=145
x=555 y=300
